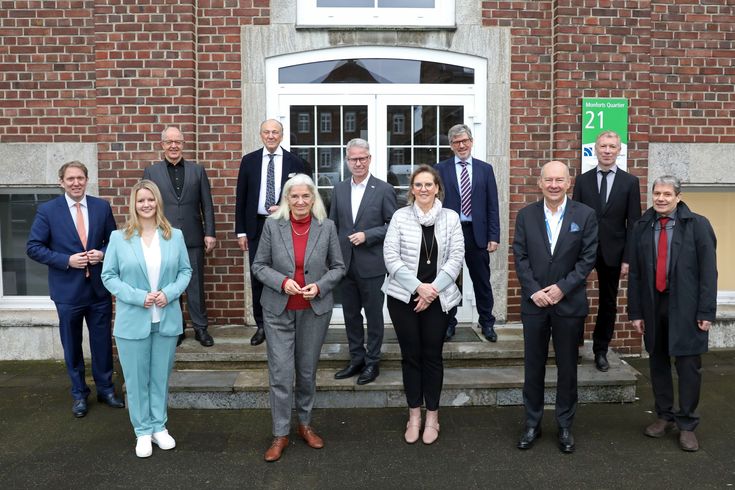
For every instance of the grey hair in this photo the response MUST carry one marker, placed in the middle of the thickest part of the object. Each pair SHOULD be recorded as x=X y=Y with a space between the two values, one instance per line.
x=317 y=209
x=458 y=129
x=607 y=134
x=674 y=182
x=272 y=120
x=163 y=133
x=358 y=143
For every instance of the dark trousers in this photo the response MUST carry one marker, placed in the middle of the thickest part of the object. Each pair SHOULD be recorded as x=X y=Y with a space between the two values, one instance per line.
x=99 y=324
x=564 y=332
x=195 y=290
x=256 y=287
x=421 y=337
x=478 y=264
x=608 y=279
x=688 y=368
x=358 y=293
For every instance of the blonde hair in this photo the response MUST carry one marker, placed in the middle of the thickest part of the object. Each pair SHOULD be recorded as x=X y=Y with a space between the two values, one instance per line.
x=317 y=208
x=133 y=225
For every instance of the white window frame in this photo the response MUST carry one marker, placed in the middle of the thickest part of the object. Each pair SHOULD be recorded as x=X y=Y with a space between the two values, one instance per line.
x=325 y=122
x=15 y=302
x=309 y=15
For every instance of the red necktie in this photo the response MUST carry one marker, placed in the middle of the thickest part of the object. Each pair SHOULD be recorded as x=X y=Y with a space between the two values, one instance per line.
x=663 y=249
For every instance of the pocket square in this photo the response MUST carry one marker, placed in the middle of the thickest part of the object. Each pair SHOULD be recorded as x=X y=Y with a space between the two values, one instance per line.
x=292 y=174
x=574 y=227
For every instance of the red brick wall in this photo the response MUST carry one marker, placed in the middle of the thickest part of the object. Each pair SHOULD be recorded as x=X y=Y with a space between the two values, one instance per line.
x=47 y=84
x=117 y=73
x=693 y=72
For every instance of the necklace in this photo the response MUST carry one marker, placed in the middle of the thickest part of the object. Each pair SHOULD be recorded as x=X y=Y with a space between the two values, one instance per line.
x=426 y=249
x=300 y=234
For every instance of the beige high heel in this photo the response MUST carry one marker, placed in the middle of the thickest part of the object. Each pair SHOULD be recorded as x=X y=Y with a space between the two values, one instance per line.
x=413 y=426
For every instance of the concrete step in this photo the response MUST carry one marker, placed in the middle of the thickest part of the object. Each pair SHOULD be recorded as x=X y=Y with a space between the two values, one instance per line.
x=484 y=386
x=232 y=349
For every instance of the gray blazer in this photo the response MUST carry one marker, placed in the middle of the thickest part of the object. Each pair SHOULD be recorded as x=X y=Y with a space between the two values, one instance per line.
x=193 y=212
x=274 y=262
x=376 y=209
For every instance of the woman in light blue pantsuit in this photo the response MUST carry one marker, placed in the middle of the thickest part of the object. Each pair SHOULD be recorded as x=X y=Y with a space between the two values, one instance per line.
x=147 y=268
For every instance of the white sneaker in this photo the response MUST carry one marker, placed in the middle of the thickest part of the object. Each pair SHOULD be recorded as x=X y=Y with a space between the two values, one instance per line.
x=164 y=440
x=143 y=448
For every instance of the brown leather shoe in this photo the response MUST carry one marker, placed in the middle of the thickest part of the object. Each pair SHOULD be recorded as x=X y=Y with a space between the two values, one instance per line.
x=277 y=446
x=688 y=441
x=659 y=428
x=311 y=437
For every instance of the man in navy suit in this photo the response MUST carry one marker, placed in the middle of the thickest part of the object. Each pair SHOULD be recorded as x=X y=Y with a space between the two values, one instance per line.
x=555 y=245
x=259 y=182
x=70 y=235
x=470 y=190
x=361 y=208
x=616 y=211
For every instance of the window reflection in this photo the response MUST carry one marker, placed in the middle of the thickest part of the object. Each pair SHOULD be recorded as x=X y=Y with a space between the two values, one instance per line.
x=376 y=70
x=21 y=275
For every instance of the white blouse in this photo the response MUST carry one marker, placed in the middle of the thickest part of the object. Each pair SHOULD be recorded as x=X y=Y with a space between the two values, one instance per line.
x=152 y=255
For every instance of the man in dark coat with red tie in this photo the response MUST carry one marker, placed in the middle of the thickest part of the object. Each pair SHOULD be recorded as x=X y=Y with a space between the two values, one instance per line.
x=672 y=301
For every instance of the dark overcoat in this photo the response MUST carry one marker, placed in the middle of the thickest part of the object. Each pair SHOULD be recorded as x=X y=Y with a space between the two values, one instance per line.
x=692 y=280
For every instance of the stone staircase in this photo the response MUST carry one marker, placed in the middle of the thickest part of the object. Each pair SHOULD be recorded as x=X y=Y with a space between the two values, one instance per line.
x=233 y=374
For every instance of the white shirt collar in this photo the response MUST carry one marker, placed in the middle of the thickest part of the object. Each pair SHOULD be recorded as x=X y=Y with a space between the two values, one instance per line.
x=560 y=209
x=459 y=160
x=278 y=152
x=71 y=202
x=613 y=169
x=361 y=184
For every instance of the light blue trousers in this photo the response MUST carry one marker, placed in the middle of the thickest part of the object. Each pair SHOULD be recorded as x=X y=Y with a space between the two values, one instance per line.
x=147 y=366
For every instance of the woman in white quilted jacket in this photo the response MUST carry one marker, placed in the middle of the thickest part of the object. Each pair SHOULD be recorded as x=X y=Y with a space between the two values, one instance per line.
x=424 y=250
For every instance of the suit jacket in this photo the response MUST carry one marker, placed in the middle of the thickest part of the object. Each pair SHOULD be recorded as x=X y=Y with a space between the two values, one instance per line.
x=622 y=209
x=193 y=212
x=376 y=209
x=54 y=238
x=248 y=187
x=569 y=265
x=275 y=261
x=692 y=280
x=485 y=208
x=125 y=275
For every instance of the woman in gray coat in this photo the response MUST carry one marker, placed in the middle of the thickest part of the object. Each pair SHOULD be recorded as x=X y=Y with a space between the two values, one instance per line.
x=423 y=250
x=299 y=262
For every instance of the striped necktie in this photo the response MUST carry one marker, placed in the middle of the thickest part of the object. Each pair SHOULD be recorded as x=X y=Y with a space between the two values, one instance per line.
x=465 y=190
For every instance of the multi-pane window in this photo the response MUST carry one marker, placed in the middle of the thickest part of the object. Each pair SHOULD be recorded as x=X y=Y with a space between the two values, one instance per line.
x=325 y=122
x=303 y=124
x=21 y=276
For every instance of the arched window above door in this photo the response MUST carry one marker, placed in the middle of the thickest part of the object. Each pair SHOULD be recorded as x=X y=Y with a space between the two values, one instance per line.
x=376 y=70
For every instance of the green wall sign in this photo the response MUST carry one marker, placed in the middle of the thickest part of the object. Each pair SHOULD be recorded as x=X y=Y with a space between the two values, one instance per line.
x=602 y=114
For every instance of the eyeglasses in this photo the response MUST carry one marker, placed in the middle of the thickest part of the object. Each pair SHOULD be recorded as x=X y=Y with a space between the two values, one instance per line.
x=359 y=159
x=168 y=143
x=463 y=142
x=423 y=185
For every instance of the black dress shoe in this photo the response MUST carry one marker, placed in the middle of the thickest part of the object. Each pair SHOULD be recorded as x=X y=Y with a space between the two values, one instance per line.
x=369 y=374
x=258 y=337
x=489 y=333
x=201 y=334
x=601 y=362
x=79 y=408
x=529 y=435
x=181 y=338
x=111 y=400
x=566 y=441
x=451 y=330
x=349 y=371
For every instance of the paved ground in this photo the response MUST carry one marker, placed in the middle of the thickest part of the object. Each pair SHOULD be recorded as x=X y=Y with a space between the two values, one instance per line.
x=42 y=446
